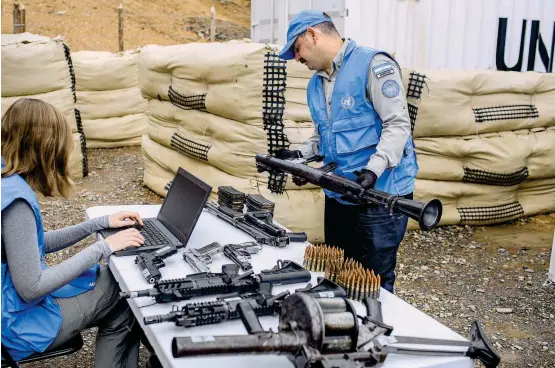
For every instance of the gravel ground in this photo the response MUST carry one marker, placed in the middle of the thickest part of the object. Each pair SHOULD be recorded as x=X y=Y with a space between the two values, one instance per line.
x=455 y=274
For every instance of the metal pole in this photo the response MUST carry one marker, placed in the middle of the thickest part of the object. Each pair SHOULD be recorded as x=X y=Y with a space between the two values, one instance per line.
x=21 y=18
x=120 y=26
x=213 y=24
x=15 y=17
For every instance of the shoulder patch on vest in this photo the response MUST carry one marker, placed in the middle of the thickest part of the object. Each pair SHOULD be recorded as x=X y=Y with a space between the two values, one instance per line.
x=390 y=88
x=383 y=69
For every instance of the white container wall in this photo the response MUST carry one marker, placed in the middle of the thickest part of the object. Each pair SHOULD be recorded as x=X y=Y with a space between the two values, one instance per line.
x=514 y=35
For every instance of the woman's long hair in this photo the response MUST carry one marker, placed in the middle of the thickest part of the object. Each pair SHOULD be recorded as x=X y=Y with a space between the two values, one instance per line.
x=36 y=144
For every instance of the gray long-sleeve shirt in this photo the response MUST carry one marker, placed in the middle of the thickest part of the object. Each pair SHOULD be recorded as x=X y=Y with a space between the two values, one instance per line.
x=392 y=110
x=20 y=247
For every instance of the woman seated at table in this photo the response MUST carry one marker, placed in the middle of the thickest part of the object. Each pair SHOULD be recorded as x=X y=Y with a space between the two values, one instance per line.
x=44 y=307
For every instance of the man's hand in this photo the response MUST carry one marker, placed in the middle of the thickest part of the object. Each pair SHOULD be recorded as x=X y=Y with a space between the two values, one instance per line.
x=367 y=179
x=285 y=154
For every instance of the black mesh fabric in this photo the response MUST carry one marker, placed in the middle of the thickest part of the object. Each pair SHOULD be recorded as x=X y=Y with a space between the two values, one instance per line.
x=273 y=106
x=413 y=112
x=481 y=215
x=492 y=178
x=190 y=147
x=416 y=83
x=505 y=112
x=187 y=102
x=82 y=138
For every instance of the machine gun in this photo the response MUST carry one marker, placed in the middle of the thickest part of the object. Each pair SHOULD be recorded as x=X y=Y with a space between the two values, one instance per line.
x=151 y=262
x=325 y=333
x=227 y=282
x=262 y=302
x=257 y=224
x=200 y=258
x=428 y=214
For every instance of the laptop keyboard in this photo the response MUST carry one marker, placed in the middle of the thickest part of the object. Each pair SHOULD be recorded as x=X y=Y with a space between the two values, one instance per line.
x=152 y=235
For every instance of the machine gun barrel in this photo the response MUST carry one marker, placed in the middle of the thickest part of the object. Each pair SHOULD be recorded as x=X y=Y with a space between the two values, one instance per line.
x=427 y=214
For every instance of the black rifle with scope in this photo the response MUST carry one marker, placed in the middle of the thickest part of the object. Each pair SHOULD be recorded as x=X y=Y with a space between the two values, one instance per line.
x=428 y=214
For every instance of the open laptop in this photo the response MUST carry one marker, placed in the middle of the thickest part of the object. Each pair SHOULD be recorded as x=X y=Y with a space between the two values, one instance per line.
x=177 y=217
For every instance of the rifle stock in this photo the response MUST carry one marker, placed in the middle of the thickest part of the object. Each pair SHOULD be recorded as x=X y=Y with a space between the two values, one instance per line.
x=427 y=214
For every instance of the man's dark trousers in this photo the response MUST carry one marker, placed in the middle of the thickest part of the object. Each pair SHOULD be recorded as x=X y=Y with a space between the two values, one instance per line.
x=368 y=233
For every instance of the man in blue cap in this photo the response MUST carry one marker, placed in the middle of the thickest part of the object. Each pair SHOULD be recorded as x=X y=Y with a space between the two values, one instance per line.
x=357 y=102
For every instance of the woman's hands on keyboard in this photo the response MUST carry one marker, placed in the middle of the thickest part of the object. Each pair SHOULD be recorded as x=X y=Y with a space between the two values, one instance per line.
x=125 y=218
x=125 y=238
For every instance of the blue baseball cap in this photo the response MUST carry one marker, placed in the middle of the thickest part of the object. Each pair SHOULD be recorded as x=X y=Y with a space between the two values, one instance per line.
x=298 y=25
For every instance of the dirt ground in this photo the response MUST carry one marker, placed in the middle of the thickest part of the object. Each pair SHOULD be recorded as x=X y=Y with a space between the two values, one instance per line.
x=456 y=274
x=93 y=24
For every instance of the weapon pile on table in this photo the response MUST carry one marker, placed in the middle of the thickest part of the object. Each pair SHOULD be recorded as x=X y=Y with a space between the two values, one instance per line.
x=318 y=325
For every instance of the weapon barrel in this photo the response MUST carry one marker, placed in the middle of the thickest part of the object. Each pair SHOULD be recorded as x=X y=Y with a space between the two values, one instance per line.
x=265 y=342
x=138 y=294
x=427 y=214
x=159 y=318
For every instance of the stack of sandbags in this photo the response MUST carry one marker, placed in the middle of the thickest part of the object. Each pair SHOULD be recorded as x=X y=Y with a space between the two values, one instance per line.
x=112 y=108
x=211 y=109
x=40 y=67
x=485 y=142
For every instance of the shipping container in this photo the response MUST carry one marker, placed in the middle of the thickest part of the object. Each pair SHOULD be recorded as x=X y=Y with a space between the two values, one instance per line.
x=516 y=35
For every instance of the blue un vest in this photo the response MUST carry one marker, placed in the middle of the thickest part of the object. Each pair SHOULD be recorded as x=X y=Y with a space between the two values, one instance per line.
x=30 y=327
x=350 y=136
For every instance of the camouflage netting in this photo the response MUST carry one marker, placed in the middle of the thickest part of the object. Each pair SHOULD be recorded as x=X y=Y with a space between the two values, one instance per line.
x=112 y=108
x=40 y=67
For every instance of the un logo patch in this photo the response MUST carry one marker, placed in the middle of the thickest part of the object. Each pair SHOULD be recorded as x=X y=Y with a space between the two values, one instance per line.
x=390 y=88
x=348 y=102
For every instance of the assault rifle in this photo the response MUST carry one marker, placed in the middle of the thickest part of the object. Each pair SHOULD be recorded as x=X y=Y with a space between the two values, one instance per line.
x=427 y=214
x=326 y=333
x=227 y=282
x=262 y=302
x=258 y=224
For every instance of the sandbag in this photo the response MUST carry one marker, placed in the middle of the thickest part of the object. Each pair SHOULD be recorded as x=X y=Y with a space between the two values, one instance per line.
x=34 y=64
x=165 y=113
x=461 y=103
x=76 y=161
x=62 y=99
x=94 y=143
x=240 y=81
x=291 y=208
x=475 y=204
x=111 y=103
x=224 y=143
x=105 y=71
x=499 y=159
x=125 y=129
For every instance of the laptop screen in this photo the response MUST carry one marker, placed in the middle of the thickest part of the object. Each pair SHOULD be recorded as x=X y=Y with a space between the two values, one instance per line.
x=183 y=205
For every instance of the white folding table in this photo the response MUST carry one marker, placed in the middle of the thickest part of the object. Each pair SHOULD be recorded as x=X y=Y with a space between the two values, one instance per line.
x=405 y=319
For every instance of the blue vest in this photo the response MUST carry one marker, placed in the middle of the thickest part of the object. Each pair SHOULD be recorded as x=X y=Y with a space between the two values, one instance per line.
x=350 y=136
x=30 y=327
